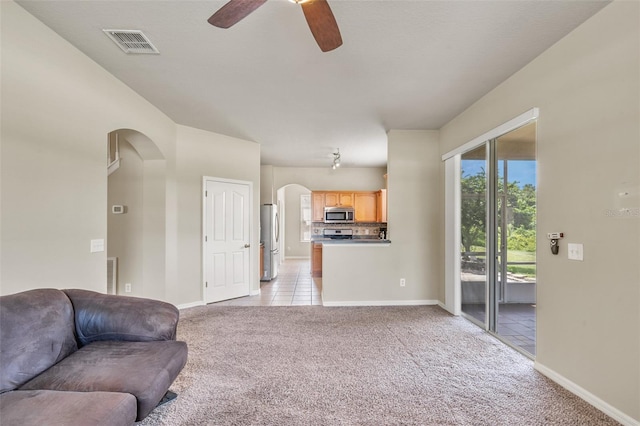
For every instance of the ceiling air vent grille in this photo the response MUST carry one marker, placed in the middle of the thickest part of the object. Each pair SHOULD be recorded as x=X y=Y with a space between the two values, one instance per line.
x=131 y=41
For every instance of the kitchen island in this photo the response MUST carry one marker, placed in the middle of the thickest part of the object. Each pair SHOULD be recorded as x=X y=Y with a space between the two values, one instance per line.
x=318 y=243
x=367 y=274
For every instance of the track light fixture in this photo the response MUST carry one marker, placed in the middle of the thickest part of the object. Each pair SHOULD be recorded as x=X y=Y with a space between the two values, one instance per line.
x=336 y=159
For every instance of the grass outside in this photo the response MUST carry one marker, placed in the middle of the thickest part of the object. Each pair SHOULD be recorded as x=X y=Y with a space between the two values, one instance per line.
x=521 y=256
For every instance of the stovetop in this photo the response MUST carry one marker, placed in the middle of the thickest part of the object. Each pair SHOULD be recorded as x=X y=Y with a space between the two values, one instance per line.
x=338 y=234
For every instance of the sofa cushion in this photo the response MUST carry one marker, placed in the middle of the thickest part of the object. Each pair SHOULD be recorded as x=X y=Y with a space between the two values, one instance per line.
x=36 y=331
x=143 y=369
x=110 y=317
x=40 y=407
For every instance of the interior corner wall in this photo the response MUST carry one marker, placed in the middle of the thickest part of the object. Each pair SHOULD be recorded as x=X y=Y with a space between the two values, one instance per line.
x=58 y=106
x=414 y=209
x=266 y=185
x=199 y=155
x=587 y=90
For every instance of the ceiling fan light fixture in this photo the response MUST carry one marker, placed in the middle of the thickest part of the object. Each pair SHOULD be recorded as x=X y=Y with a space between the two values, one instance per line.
x=299 y=1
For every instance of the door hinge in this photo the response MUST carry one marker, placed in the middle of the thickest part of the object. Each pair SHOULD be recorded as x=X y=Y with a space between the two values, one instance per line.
x=206 y=193
x=205 y=238
x=206 y=284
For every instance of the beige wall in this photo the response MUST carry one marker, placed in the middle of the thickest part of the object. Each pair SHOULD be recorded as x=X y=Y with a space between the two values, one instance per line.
x=293 y=247
x=321 y=178
x=57 y=108
x=267 y=192
x=125 y=231
x=415 y=215
x=414 y=228
x=201 y=153
x=587 y=88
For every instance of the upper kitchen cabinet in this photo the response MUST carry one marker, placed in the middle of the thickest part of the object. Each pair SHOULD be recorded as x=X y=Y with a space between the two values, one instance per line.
x=338 y=199
x=317 y=206
x=369 y=206
x=322 y=199
x=365 y=206
x=381 y=205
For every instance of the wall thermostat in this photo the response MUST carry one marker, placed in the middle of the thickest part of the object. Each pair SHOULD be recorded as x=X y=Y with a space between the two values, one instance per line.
x=117 y=209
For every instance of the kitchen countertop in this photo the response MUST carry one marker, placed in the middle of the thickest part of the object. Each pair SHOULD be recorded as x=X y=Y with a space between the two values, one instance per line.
x=350 y=241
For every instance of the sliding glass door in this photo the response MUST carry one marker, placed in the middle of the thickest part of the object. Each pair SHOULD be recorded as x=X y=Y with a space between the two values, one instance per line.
x=473 y=233
x=498 y=252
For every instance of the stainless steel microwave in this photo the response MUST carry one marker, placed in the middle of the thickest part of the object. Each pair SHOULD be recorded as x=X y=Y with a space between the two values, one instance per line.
x=339 y=215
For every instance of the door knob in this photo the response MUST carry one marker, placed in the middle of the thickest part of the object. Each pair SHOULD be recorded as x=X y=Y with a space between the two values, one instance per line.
x=247 y=245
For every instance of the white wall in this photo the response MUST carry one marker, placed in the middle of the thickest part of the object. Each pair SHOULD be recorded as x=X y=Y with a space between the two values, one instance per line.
x=587 y=87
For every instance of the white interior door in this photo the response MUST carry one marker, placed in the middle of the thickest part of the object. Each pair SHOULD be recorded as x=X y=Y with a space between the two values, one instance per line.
x=227 y=237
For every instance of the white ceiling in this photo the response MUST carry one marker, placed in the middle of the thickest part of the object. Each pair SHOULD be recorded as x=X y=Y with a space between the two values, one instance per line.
x=403 y=65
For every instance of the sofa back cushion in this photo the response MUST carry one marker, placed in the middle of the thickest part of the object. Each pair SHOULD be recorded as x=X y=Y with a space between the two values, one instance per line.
x=36 y=331
x=102 y=317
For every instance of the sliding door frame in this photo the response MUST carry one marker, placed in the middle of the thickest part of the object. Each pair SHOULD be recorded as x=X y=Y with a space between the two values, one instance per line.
x=452 y=159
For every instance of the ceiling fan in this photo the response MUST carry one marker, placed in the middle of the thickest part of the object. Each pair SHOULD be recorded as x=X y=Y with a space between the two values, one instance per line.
x=319 y=17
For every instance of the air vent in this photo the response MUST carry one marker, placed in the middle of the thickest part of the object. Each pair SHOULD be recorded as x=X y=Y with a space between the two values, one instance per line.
x=131 y=41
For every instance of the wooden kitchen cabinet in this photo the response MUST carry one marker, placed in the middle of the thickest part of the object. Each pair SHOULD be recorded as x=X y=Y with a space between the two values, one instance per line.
x=338 y=199
x=381 y=205
x=316 y=259
x=365 y=206
x=317 y=206
x=322 y=199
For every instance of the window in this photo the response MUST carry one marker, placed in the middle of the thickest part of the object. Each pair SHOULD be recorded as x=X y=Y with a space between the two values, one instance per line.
x=305 y=217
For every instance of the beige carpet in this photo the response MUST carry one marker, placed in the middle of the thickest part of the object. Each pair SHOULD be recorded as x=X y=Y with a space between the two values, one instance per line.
x=314 y=365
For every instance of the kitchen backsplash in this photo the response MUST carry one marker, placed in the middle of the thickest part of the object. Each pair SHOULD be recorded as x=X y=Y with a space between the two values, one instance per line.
x=360 y=230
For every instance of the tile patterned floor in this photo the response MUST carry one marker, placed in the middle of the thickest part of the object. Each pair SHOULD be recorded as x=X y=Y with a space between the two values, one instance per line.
x=293 y=286
x=516 y=323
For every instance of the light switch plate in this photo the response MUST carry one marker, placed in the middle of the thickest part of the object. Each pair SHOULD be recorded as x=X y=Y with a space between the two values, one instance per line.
x=97 y=246
x=575 y=251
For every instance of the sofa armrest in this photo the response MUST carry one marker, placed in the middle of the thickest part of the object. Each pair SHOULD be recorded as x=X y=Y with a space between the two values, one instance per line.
x=109 y=317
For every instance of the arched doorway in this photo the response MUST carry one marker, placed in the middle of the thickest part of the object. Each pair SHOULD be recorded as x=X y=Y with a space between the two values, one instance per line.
x=294 y=205
x=136 y=214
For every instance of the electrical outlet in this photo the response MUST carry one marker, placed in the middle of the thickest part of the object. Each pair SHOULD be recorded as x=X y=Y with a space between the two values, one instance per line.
x=127 y=288
x=403 y=282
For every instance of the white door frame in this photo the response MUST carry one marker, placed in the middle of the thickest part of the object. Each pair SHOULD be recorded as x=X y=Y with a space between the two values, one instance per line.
x=203 y=230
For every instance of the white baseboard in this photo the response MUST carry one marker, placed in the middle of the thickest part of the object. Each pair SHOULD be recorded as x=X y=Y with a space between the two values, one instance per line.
x=601 y=405
x=443 y=306
x=381 y=303
x=297 y=257
x=190 y=305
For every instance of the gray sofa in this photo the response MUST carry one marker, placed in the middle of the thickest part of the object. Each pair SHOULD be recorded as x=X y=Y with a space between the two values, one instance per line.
x=76 y=357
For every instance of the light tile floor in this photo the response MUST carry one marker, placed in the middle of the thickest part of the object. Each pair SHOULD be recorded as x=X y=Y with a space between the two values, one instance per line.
x=293 y=286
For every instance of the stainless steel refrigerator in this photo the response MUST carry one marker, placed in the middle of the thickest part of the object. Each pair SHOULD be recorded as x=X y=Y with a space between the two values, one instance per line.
x=270 y=235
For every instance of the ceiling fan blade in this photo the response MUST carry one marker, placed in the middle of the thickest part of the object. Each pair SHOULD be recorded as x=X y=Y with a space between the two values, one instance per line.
x=233 y=12
x=322 y=24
